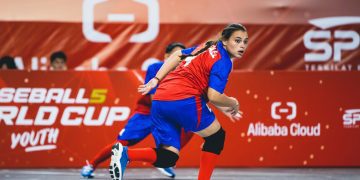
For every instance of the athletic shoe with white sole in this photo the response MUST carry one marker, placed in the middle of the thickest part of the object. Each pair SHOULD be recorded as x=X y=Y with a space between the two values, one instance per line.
x=169 y=172
x=119 y=161
x=87 y=171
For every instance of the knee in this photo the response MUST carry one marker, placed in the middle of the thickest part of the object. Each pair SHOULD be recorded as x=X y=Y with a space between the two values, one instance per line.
x=165 y=158
x=215 y=142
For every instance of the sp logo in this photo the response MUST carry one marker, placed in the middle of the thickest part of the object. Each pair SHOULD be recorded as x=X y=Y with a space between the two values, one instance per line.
x=344 y=40
x=95 y=36
x=277 y=110
x=351 y=117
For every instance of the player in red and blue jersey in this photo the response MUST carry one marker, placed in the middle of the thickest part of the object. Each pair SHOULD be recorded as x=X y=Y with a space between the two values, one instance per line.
x=200 y=76
x=139 y=125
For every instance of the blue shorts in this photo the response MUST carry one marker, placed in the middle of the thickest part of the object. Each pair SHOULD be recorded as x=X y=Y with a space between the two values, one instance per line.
x=169 y=117
x=137 y=128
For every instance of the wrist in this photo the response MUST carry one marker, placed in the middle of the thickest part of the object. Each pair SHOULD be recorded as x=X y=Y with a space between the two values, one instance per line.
x=157 y=78
x=236 y=105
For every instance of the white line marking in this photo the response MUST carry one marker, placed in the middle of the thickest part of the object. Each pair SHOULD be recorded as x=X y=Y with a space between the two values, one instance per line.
x=40 y=148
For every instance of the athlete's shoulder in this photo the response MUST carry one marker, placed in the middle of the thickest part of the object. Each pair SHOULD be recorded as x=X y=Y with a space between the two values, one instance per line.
x=223 y=54
x=222 y=59
x=156 y=65
x=189 y=51
x=152 y=70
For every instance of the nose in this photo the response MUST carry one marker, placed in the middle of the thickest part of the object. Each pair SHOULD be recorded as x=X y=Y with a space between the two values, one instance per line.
x=242 y=45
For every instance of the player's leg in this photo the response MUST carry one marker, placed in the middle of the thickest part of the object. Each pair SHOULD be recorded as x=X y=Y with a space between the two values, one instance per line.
x=175 y=112
x=185 y=138
x=138 y=127
x=104 y=154
x=214 y=136
x=192 y=114
x=167 y=133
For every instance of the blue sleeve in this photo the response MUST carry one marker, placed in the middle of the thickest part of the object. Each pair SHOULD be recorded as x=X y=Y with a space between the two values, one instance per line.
x=151 y=73
x=219 y=75
x=188 y=50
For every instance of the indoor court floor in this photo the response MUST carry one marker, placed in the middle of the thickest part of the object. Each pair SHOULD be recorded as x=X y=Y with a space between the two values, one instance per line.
x=191 y=173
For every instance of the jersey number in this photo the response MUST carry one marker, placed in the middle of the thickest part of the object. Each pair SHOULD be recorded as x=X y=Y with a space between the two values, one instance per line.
x=188 y=60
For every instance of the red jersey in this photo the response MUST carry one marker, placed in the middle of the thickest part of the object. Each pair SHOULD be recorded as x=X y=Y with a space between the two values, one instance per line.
x=195 y=74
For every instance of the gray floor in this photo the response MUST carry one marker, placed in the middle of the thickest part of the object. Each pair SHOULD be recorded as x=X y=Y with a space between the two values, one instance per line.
x=189 y=173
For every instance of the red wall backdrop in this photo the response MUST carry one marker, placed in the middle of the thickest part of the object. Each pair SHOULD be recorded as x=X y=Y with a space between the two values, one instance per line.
x=32 y=30
x=323 y=107
x=310 y=108
x=271 y=47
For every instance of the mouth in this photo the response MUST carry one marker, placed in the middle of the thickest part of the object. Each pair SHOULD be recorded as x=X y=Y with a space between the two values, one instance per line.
x=241 y=52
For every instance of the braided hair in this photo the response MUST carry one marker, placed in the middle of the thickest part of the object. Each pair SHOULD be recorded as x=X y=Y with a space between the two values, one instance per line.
x=225 y=35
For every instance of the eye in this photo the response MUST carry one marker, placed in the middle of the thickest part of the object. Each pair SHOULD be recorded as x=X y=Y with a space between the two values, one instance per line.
x=238 y=41
x=246 y=41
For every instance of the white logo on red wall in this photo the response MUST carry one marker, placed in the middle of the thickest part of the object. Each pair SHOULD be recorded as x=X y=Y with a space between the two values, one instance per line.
x=41 y=107
x=278 y=110
x=286 y=111
x=95 y=36
x=39 y=140
x=325 y=45
x=351 y=118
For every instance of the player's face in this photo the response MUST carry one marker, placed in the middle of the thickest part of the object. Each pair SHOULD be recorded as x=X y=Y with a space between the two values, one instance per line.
x=237 y=44
x=167 y=55
x=58 y=64
x=4 y=66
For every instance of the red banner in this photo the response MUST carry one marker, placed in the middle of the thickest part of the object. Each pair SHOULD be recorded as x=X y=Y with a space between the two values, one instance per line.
x=60 y=119
x=118 y=35
x=277 y=47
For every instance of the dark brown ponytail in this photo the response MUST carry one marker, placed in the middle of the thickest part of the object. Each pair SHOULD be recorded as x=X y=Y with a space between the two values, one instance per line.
x=225 y=35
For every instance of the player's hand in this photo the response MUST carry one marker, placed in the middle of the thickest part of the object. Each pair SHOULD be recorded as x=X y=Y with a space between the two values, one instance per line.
x=236 y=117
x=235 y=108
x=146 y=88
x=231 y=113
x=235 y=113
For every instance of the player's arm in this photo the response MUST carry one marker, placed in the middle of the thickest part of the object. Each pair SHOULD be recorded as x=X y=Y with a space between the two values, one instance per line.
x=168 y=66
x=229 y=112
x=150 y=74
x=218 y=79
x=171 y=63
x=222 y=100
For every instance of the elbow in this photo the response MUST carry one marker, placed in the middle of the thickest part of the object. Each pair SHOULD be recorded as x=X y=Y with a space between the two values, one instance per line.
x=213 y=96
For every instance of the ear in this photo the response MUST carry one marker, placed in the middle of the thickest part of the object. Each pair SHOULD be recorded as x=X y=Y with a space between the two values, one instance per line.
x=225 y=42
